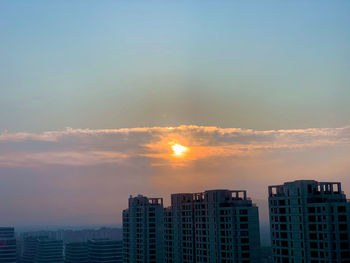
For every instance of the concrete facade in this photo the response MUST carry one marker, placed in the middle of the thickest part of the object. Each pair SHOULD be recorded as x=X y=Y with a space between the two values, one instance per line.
x=105 y=251
x=309 y=222
x=143 y=230
x=42 y=250
x=219 y=226
x=76 y=252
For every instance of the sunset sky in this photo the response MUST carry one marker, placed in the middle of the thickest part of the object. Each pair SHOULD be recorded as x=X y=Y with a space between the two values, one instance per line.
x=95 y=95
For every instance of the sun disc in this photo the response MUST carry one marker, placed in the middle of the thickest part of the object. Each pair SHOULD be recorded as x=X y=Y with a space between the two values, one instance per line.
x=178 y=149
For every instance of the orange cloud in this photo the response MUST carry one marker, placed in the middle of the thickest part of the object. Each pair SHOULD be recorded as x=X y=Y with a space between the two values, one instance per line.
x=90 y=147
x=99 y=167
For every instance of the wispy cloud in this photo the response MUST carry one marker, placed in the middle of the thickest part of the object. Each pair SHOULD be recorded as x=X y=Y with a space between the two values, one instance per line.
x=68 y=158
x=96 y=146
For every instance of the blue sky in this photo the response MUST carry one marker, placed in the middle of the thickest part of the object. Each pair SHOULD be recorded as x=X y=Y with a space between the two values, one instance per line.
x=113 y=64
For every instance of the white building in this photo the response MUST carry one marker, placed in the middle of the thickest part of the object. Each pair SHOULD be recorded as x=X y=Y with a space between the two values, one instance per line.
x=143 y=230
x=213 y=226
x=309 y=222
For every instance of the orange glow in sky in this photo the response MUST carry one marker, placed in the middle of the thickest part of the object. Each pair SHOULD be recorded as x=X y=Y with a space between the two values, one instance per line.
x=178 y=149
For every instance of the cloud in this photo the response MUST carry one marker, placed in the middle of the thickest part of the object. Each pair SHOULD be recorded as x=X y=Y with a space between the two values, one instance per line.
x=96 y=146
x=68 y=158
x=66 y=175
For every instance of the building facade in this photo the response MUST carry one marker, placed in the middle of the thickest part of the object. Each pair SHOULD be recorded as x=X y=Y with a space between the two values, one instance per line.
x=7 y=245
x=309 y=222
x=76 y=252
x=29 y=249
x=105 y=251
x=219 y=226
x=42 y=249
x=49 y=251
x=143 y=230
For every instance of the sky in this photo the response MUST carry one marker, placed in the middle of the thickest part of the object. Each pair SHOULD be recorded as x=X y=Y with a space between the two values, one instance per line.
x=94 y=94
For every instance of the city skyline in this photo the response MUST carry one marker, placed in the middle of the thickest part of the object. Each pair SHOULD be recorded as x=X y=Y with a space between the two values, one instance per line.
x=309 y=223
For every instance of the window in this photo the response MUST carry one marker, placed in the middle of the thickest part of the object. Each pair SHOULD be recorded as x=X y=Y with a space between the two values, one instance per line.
x=341 y=209
x=342 y=218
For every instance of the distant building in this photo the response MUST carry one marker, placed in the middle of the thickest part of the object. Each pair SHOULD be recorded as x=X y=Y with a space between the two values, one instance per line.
x=42 y=250
x=143 y=230
x=7 y=245
x=76 y=252
x=105 y=251
x=49 y=251
x=213 y=226
x=29 y=249
x=82 y=235
x=309 y=222
x=69 y=236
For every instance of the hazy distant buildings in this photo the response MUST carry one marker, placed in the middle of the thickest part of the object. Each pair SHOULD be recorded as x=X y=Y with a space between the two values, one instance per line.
x=214 y=226
x=82 y=235
x=309 y=222
x=105 y=251
x=76 y=252
x=143 y=230
x=7 y=245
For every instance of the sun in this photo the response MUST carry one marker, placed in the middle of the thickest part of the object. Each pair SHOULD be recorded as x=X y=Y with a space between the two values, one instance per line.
x=178 y=149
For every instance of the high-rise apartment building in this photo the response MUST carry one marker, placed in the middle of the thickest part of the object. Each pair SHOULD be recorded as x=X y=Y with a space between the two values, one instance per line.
x=219 y=226
x=76 y=252
x=105 y=251
x=310 y=222
x=7 y=245
x=143 y=230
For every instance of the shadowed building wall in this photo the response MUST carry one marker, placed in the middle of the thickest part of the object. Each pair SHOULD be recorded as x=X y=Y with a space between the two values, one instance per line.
x=105 y=251
x=76 y=252
x=7 y=245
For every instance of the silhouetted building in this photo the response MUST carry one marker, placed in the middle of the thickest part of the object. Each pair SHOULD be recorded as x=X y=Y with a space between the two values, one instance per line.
x=214 y=226
x=42 y=250
x=105 y=251
x=76 y=252
x=49 y=251
x=309 y=222
x=29 y=249
x=143 y=230
x=7 y=245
